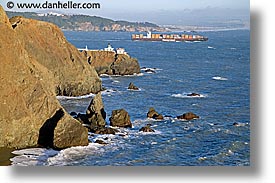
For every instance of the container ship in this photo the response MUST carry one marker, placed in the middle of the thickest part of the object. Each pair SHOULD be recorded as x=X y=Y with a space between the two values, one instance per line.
x=168 y=37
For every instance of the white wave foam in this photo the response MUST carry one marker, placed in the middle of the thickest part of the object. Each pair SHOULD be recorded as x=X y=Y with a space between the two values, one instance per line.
x=104 y=75
x=109 y=91
x=116 y=81
x=135 y=90
x=147 y=68
x=219 y=78
x=133 y=75
x=185 y=95
x=211 y=47
x=32 y=156
x=74 y=154
x=91 y=95
x=110 y=76
x=149 y=133
x=75 y=98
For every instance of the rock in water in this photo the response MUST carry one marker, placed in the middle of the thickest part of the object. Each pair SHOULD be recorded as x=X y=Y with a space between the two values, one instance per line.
x=146 y=129
x=120 y=118
x=152 y=113
x=108 y=62
x=105 y=130
x=95 y=113
x=125 y=65
x=150 y=71
x=102 y=142
x=30 y=112
x=193 y=95
x=188 y=116
x=132 y=87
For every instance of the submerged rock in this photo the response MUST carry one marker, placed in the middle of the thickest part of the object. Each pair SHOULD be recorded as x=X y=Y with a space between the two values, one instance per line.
x=188 y=116
x=238 y=124
x=102 y=142
x=120 y=118
x=193 y=95
x=152 y=113
x=132 y=87
x=150 y=71
x=105 y=130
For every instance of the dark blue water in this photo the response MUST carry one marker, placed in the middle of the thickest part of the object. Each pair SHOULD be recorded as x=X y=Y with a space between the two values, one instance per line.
x=217 y=69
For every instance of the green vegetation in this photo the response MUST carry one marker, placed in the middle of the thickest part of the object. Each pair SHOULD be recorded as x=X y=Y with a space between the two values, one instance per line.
x=88 y=23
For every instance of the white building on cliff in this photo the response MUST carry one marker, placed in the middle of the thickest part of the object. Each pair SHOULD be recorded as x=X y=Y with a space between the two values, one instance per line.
x=109 y=48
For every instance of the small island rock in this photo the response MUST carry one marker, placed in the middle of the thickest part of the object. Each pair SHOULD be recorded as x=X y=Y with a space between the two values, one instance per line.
x=120 y=118
x=188 y=116
x=193 y=95
x=147 y=128
x=132 y=87
x=152 y=113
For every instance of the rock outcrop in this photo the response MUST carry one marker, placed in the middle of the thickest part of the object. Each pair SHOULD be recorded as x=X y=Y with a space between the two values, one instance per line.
x=45 y=43
x=106 y=130
x=95 y=113
x=146 y=128
x=30 y=113
x=132 y=87
x=120 y=118
x=188 y=116
x=152 y=113
x=108 y=62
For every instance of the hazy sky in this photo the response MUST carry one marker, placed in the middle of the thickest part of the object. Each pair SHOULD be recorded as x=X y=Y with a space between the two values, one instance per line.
x=158 y=11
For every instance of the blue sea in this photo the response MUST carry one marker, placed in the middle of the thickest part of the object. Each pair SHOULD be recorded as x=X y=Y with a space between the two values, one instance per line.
x=219 y=70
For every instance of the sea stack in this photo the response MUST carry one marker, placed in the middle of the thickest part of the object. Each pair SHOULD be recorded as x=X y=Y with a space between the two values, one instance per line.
x=112 y=63
x=95 y=113
x=152 y=113
x=120 y=118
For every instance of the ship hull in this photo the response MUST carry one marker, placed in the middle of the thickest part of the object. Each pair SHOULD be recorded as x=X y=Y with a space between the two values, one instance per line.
x=170 y=40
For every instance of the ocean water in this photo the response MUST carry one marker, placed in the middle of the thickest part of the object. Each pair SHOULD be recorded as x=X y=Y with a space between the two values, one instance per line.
x=218 y=69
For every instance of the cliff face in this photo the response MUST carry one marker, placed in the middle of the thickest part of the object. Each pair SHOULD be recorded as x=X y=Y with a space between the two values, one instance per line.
x=46 y=43
x=29 y=111
x=107 y=62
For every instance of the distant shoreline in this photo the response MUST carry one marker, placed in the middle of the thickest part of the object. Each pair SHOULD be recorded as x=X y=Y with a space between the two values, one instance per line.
x=85 y=23
x=174 y=31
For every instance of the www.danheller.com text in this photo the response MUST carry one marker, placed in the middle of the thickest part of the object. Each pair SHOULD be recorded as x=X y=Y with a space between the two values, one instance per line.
x=54 y=5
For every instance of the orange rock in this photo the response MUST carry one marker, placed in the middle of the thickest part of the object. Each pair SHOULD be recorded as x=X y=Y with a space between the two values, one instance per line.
x=28 y=81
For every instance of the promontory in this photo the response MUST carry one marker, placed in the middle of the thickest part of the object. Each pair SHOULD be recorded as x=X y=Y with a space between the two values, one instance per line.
x=38 y=63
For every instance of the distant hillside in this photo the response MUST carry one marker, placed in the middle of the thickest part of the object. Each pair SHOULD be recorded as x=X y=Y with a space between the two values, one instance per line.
x=89 y=23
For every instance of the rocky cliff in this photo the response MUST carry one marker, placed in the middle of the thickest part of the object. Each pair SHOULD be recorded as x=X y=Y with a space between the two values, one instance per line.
x=108 y=62
x=46 y=43
x=36 y=61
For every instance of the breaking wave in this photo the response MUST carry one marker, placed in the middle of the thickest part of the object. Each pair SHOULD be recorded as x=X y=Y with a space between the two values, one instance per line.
x=188 y=95
x=211 y=47
x=75 y=98
x=219 y=78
